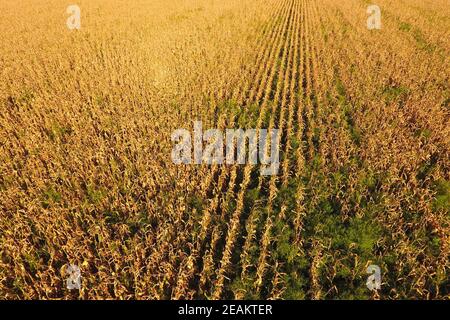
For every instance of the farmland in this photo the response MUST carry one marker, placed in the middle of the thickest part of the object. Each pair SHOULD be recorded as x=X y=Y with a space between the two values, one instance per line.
x=86 y=176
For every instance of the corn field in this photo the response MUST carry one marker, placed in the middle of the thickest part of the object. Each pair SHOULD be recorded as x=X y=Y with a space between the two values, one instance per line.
x=86 y=177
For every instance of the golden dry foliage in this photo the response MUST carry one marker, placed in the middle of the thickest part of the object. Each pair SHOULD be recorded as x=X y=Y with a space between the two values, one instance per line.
x=86 y=175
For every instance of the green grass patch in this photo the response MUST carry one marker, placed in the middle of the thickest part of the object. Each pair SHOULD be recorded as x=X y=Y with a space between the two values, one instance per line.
x=50 y=196
x=442 y=199
x=394 y=93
